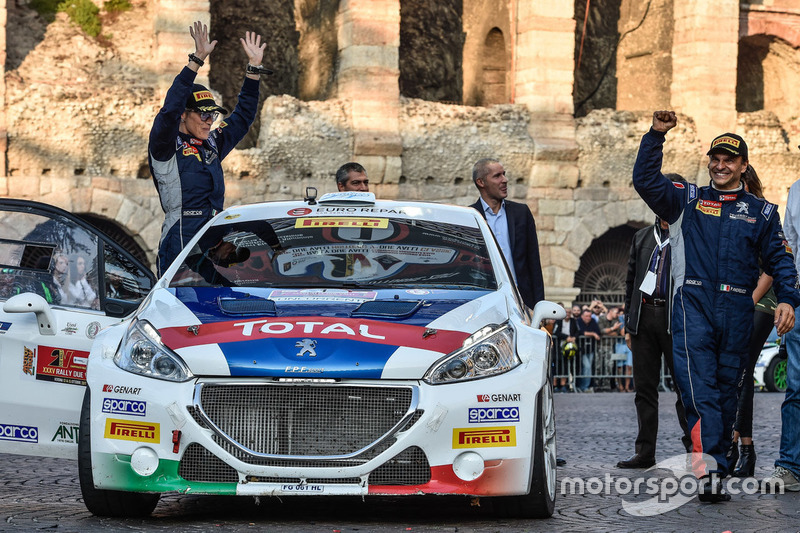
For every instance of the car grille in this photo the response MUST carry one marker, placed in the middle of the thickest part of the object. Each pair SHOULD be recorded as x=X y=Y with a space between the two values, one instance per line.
x=199 y=464
x=284 y=423
x=409 y=467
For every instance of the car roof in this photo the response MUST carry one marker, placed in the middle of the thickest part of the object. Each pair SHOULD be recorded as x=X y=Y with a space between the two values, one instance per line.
x=452 y=214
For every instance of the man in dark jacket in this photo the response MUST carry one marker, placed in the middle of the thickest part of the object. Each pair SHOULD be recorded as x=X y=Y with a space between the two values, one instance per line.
x=513 y=226
x=185 y=154
x=647 y=296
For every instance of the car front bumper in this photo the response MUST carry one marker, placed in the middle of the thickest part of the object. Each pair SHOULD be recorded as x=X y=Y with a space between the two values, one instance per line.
x=238 y=436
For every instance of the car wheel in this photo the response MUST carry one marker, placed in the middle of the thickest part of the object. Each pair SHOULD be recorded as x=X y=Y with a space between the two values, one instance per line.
x=775 y=375
x=540 y=500
x=105 y=502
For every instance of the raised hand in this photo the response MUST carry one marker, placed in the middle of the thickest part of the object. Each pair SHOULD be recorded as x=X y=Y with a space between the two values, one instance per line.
x=664 y=120
x=253 y=47
x=202 y=46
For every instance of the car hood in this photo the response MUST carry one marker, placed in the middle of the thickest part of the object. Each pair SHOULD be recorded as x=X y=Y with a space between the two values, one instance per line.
x=333 y=333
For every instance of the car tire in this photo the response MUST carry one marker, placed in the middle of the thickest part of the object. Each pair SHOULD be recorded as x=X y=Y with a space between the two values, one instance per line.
x=541 y=498
x=101 y=502
x=775 y=375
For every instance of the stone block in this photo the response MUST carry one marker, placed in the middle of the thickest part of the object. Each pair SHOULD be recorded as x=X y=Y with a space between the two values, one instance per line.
x=564 y=224
x=564 y=25
x=389 y=191
x=377 y=143
x=586 y=195
x=24 y=186
x=544 y=223
x=548 y=206
x=369 y=83
x=359 y=56
x=375 y=166
x=554 y=174
x=564 y=279
x=394 y=169
x=150 y=235
x=579 y=239
x=106 y=203
x=564 y=258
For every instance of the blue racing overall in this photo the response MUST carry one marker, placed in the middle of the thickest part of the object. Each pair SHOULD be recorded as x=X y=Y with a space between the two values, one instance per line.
x=717 y=238
x=187 y=171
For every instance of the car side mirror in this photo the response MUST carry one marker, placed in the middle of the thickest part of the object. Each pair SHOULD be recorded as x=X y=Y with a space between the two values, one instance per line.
x=545 y=310
x=33 y=303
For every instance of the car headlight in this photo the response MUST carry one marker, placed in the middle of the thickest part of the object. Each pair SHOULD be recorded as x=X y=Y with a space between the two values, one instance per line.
x=142 y=352
x=488 y=352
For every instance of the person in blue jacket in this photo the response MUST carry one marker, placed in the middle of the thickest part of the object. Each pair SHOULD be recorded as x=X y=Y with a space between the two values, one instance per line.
x=185 y=153
x=717 y=233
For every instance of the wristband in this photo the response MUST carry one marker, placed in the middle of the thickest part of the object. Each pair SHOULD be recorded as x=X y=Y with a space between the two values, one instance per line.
x=257 y=70
x=194 y=59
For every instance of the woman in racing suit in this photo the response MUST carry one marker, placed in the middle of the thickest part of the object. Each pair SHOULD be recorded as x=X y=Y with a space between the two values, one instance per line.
x=185 y=154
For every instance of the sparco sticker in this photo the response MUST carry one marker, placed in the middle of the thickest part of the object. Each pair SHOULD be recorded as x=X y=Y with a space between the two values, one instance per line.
x=117 y=406
x=19 y=433
x=493 y=414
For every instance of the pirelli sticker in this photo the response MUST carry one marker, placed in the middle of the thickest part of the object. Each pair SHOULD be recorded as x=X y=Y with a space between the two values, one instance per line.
x=727 y=140
x=202 y=95
x=709 y=207
x=130 y=430
x=491 y=437
x=342 y=222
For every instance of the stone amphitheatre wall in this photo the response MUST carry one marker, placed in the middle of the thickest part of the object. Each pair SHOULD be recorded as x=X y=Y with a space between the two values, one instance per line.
x=77 y=112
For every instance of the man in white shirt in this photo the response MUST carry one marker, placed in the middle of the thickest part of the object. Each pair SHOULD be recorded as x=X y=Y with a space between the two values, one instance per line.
x=513 y=226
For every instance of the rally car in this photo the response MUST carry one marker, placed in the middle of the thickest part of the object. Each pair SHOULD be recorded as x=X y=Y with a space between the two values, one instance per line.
x=344 y=346
x=770 y=370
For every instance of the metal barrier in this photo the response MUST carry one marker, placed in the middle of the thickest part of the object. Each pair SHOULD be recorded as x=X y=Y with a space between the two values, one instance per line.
x=598 y=364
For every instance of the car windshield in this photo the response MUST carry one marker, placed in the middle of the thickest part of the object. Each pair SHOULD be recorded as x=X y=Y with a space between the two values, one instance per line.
x=309 y=252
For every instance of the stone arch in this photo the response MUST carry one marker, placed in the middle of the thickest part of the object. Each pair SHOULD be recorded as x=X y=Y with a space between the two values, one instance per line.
x=494 y=69
x=768 y=72
x=431 y=50
x=275 y=21
x=603 y=266
x=596 y=72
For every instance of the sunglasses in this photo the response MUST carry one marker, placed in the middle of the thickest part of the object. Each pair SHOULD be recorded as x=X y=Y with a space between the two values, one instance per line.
x=205 y=116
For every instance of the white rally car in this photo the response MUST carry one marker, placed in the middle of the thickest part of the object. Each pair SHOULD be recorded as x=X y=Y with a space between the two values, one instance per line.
x=341 y=347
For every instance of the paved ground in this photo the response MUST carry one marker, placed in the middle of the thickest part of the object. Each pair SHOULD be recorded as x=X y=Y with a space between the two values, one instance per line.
x=594 y=432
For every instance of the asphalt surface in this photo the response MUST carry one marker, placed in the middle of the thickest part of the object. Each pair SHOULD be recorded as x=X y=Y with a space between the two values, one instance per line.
x=594 y=432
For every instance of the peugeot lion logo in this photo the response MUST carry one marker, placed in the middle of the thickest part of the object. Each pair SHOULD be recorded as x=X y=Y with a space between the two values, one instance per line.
x=742 y=207
x=306 y=347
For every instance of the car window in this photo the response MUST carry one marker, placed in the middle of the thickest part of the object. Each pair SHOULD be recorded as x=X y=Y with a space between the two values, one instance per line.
x=50 y=256
x=338 y=252
x=124 y=280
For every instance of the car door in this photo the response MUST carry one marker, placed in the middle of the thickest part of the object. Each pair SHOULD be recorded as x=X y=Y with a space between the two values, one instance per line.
x=61 y=282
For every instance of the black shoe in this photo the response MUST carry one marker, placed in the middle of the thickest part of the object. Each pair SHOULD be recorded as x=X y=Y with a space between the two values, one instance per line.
x=560 y=461
x=732 y=456
x=711 y=490
x=637 y=461
x=746 y=466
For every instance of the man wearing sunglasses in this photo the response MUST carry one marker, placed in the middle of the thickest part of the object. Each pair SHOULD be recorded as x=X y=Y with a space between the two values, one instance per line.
x=185 y=153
